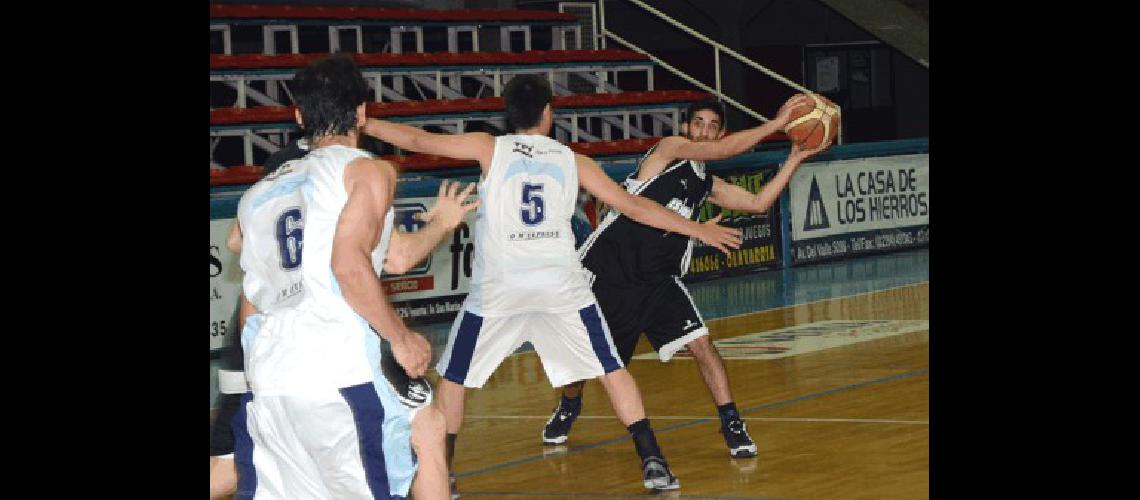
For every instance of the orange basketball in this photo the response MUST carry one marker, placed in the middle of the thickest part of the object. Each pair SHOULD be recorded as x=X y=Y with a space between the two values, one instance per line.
x=811 y=126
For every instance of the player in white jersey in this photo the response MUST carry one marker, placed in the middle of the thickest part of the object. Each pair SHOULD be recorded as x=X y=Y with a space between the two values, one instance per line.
x=321 y=419
x=527 y=283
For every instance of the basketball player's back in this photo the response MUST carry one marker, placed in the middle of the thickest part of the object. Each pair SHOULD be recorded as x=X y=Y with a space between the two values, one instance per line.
x=524 y=254
x=294 y=217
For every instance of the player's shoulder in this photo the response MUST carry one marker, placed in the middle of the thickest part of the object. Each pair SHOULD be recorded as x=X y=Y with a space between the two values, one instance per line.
x=369 y=171
x=372 y=166
x=665 y=151
x=668 y=145
x=481 y=136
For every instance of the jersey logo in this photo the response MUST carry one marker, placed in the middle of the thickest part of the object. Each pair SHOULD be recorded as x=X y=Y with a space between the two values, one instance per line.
x=689 y=324
x=523 y=149
x=680 y=207
x=684 y=183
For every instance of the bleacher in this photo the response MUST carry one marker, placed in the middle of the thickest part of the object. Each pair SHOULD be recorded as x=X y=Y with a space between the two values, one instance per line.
x=438 y=74
x=449 y=91
x=272 y=19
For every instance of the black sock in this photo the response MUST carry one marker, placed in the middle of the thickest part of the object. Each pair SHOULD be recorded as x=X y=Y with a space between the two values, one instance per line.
x=644 y=440
x=572 y=404
x=728 y=413
x=450 y=449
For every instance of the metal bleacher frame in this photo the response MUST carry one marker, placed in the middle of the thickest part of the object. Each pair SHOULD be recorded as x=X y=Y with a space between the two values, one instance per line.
x=570 y=125
x=444 y=82
x=398 y=27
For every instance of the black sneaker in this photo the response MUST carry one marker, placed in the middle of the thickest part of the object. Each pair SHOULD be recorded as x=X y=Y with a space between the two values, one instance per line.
x=412 y=392
x=557 y=429
x=451 y=481
x=739 y=443
x=655 y=475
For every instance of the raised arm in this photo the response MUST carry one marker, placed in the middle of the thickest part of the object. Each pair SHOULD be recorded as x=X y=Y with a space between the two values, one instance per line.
x=370 y=185
x=405 y=250
x=476 y=146
x=733 y=197
x=645 y=211
x=680 y=147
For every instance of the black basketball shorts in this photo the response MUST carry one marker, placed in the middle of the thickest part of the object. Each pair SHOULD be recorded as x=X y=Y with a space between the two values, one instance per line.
x=664 y=312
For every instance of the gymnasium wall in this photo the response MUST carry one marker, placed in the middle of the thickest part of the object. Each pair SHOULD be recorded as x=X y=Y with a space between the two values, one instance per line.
x=848 y=201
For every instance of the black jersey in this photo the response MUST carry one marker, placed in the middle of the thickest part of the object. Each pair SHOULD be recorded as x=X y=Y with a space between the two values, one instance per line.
x=623 y=253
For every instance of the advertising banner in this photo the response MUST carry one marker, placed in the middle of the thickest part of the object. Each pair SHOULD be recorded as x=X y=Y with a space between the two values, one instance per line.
x=225 y=284
x=761 y=248
x=848 y=207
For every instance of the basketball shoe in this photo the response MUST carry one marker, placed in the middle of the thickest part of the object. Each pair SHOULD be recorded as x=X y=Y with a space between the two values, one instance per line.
x=736 y=436
x=557 y=429
x=655 y=475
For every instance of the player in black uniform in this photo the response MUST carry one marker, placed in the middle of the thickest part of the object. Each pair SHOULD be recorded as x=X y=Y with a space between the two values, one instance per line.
x=637 y=269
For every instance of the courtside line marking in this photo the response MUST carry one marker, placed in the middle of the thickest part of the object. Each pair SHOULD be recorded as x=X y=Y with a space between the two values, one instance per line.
x=696 y=417
x=691 y=423
x=759 y=311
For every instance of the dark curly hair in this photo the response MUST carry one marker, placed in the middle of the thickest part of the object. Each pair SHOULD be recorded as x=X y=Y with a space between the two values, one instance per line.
x=328 y=91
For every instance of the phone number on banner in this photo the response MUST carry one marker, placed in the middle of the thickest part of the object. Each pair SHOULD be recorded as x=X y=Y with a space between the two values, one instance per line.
x=859 y=243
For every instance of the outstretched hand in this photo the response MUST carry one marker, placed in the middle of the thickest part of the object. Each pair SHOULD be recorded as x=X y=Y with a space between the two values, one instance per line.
x=784 y=115
x=799 y=154
x=449 y=207
x=720 y=237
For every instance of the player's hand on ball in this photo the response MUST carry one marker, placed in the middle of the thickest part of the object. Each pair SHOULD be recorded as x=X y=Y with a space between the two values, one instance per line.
x=720 y=237
x=784 y=115
x=413 y=352
x=799 y=154
x=449 y=207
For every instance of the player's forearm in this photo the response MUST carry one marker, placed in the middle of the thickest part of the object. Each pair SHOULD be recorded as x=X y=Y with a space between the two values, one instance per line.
x=745 y=140
x=652 y=214
x=363 y=292
x=771 y=191
x=751 y=137
x=415 y=247
x=397 y=134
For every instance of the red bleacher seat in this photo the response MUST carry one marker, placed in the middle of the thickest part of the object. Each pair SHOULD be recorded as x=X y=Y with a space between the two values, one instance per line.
x=257 y=61
x=245 y=174
x=566 y=56
x=232 y=11
x=273 y=114
x=259 y=114
x=620 y=146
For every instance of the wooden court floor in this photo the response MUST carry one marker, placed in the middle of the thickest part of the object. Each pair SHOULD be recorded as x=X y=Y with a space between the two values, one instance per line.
x=844 y=422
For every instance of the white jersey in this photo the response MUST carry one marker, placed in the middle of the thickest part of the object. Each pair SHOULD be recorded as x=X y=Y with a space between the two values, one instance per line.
x=310 y=337
x=524 y=253
x=271 y=213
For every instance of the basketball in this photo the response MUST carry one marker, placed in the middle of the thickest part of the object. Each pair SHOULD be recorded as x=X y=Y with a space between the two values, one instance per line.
x=812 y=126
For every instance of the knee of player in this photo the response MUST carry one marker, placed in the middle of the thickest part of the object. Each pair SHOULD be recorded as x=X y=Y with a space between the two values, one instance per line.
x=700 y=345
x=429 y=422
x=223 y=477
